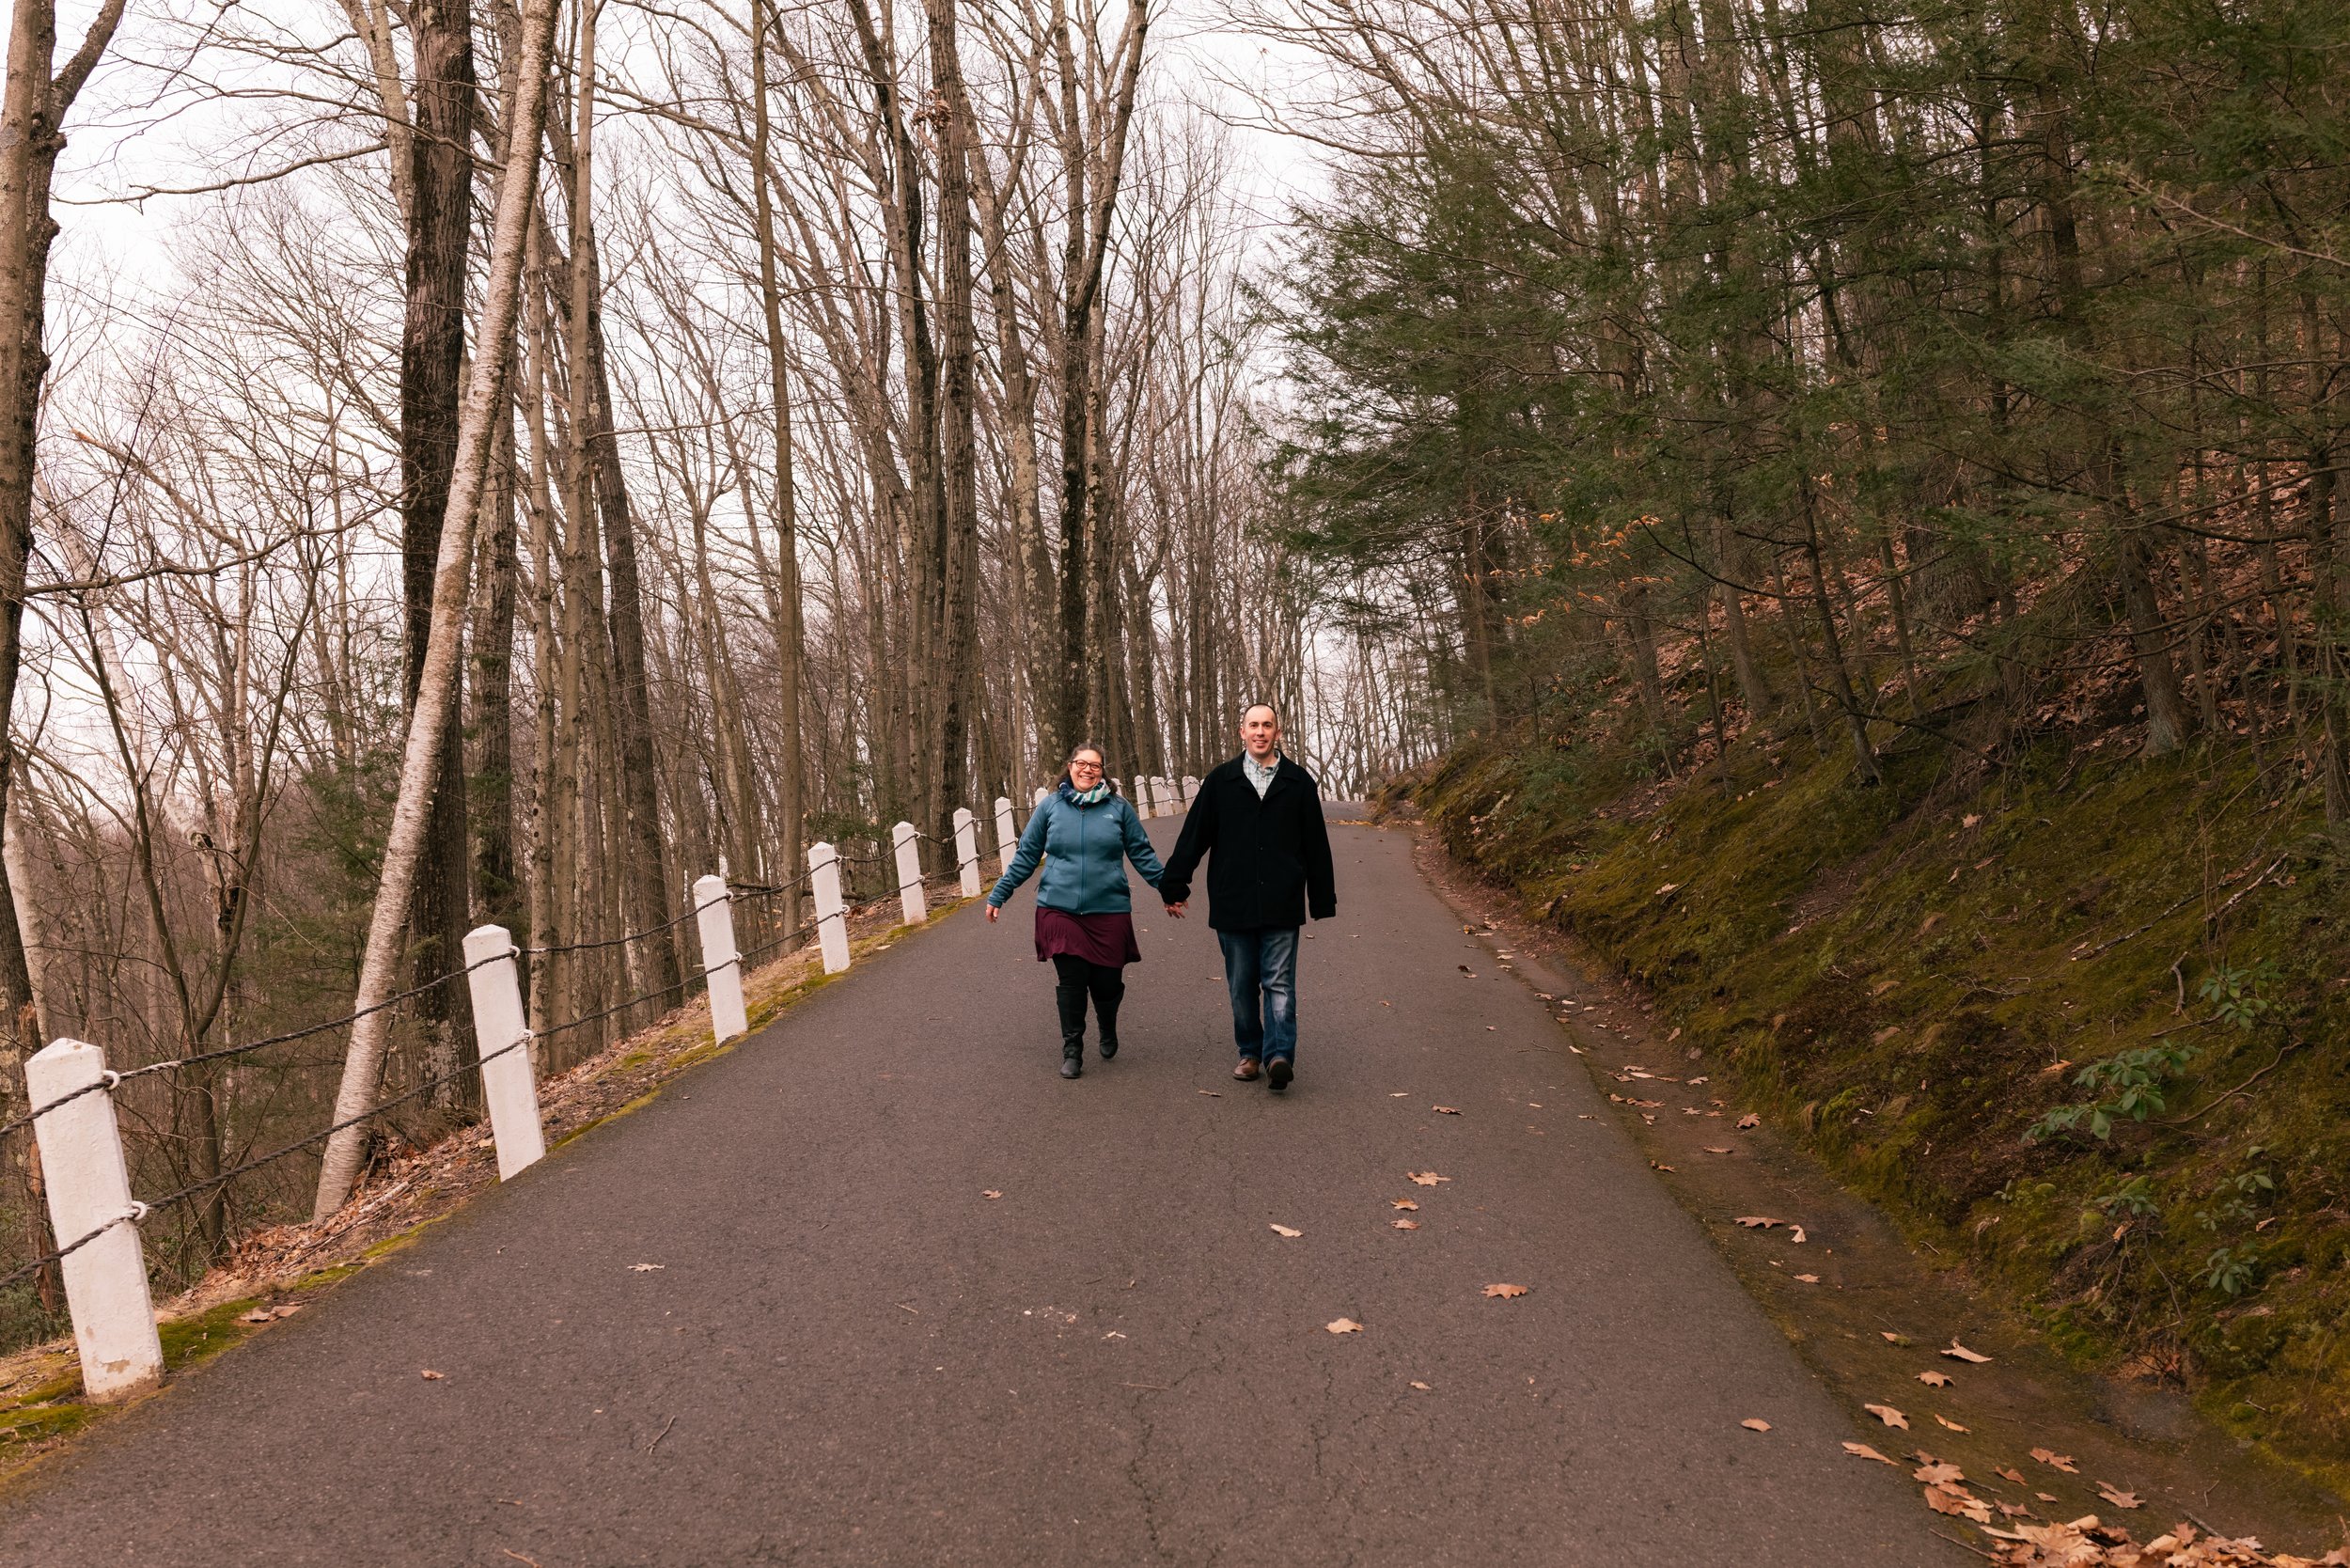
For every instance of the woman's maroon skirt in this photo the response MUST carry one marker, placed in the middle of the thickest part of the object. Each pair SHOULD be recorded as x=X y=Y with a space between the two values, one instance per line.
x=1105 y=939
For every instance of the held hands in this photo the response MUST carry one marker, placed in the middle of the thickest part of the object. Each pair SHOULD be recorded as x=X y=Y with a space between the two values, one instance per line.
x=1175 y=911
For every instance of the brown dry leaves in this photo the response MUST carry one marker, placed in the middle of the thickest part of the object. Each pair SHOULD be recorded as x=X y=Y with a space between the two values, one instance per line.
x=1889 y=1415
x=1505 y=1293
x=1755 y=1423
x=1411 y=1204
x=1285 y=1231
x=1343 y=1325
x=1935 y=1379
x=1425 y=1177
x=1959 y=1353
x=2056 y=1461
x=1862 y=1451
x=1404 y=1224
x=2089 y=1543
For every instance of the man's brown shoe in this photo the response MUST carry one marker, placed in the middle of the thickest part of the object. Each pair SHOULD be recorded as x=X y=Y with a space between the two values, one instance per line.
x=1246 y=1071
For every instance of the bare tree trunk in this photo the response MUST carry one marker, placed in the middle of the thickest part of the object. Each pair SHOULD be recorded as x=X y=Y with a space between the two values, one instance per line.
x=1085 y=248
x=431 y=354
x=958 y=449
x=31 y=136
x=491 y=811
x=791 y=635
x=485 y=397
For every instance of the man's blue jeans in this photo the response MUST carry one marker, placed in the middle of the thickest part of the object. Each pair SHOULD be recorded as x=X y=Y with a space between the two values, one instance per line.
x=1261 y=972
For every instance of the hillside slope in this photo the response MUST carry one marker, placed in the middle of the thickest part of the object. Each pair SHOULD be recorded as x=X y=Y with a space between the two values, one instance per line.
x=2079 y=1021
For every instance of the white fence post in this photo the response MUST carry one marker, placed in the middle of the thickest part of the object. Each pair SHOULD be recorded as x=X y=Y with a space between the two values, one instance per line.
x=89 y=1187
x=1041 y=791
x=1191 y=789
x=509 y=1083
x=832 y=921
x=722 y=961
x=911 y=901
x=1146 y=804
x=1006 y=841
x=967 y=849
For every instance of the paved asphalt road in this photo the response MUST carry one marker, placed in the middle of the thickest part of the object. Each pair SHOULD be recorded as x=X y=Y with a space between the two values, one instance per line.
x=848 y=1354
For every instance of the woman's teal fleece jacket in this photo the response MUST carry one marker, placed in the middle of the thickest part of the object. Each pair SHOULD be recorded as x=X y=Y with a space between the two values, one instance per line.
x=1082 y=848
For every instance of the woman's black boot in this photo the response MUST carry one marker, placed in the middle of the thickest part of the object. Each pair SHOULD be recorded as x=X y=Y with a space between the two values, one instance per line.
x=1108 y=991
x=1072 y=1029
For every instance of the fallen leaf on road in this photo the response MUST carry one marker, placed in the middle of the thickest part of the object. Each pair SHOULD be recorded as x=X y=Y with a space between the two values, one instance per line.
x=1749 y=1122
x=1809 y=1278
x=1404 y=1224
x=1212 y=1093
x=990 y=1193
x=2008 y=1472
x=1285 y=1231
x=1757 y=1222
x=1755 y=1423
x=1710 y=1149
x=1343 y=1325
x=2056 y=1461
x=1505 y=1293
x=645 y=1268
x=1892 y=1338
x=1959 y=1353
x=1421 y=1387
x=2045 y=1496
x=1936 y=1474
x=1935 y=1379
x=1403 y=1203
x=1946 y=1422
x=433 y=1376
x=1796 y=1235
x=1668 y=1169
x=1862 y=1451
x=1401 y=1094
x=1889 y=1415
x=1425 y=1177
x=1958 y=1504
x=1445 y=1110
x=2120 y=1500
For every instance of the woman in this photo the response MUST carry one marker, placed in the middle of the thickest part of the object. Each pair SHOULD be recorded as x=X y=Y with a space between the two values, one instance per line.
x=1083 y=832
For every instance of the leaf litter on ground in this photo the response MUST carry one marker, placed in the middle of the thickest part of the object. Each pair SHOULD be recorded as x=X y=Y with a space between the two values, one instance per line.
x=2088 y=1542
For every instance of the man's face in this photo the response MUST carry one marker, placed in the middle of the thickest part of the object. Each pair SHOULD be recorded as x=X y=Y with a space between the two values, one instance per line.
x=1260 y=733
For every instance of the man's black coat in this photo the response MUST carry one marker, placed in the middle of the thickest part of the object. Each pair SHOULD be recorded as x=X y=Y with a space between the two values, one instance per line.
x=1272 y=856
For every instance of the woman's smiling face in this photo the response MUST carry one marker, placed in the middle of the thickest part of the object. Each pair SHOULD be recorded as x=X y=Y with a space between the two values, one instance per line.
x=1085 y=769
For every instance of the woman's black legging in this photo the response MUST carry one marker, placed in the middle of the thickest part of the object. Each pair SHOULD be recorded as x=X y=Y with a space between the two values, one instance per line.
x=1104 y=982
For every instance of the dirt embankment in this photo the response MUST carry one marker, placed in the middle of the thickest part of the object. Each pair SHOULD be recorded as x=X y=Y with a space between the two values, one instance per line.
x=2076 y=1025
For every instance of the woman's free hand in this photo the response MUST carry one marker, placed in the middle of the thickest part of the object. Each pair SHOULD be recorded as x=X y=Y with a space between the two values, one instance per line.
x=993 y=910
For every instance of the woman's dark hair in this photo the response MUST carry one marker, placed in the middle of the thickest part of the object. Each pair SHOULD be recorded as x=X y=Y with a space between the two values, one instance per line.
x=1095 y=747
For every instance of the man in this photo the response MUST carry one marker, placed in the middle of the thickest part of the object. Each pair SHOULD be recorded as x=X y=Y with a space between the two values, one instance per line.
x=1260 y=815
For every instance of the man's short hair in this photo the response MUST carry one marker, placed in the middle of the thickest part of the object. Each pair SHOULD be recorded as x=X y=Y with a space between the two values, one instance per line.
x=1261 y=703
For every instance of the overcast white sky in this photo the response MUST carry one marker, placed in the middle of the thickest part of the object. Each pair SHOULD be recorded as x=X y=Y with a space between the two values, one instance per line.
x=114 y=144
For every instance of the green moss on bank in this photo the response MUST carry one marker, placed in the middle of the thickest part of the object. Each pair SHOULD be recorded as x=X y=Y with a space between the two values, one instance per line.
x=1911 y=976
